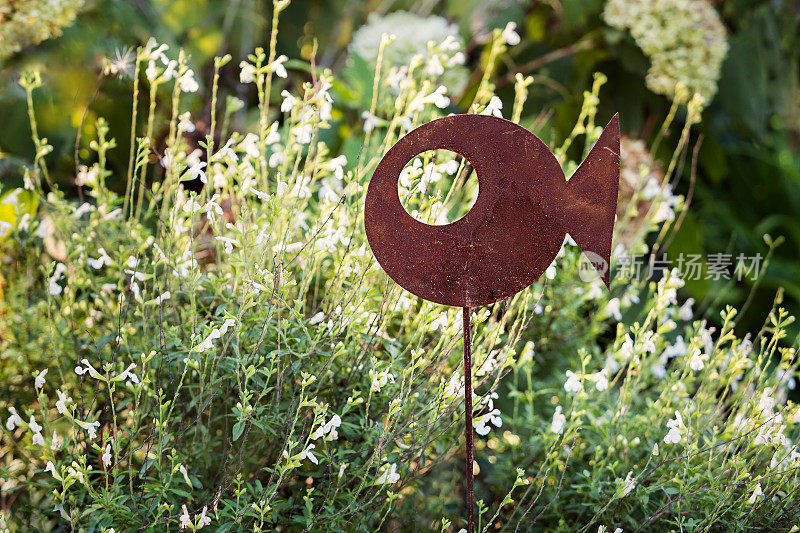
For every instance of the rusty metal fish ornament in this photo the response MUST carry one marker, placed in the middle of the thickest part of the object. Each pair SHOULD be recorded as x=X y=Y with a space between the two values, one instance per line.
x=524 y=209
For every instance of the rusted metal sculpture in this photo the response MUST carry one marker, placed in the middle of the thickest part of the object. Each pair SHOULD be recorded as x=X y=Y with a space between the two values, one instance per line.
x=525 y=208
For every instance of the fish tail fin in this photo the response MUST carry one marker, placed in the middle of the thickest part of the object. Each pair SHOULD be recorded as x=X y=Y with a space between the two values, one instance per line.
x=592 y=196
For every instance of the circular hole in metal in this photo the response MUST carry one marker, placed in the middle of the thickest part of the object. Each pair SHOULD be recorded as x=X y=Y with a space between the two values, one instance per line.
x=438 y=187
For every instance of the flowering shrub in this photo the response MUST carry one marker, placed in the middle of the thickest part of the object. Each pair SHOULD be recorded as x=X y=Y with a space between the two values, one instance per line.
x=684 y=39
x=235 y=359
x=27 y=22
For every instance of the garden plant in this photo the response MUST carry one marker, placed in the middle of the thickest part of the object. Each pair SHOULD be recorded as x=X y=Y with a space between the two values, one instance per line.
x=211 y=345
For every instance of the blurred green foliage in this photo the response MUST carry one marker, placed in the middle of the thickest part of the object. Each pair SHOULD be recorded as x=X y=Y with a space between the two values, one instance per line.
x=748 y=170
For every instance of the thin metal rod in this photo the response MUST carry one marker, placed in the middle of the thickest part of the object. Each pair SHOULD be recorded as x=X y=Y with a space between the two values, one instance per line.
x=469 y=498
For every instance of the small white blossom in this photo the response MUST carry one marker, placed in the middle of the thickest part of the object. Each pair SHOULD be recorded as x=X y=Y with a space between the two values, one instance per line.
x=61 y=404
x=510 y=36
x=328 y=429
x=696 y=361
x=387 y=474
x=248 y=72
x=185 y=519
x=196 y=172
x=630 y=484
x=228 y=243
x=39 y=381
x=289 y=101
x=187 y=83
x=278 y=68
x=600 y=380
x=494 y=107
x=14 y=420
x=98 y=263
x=250 y=145
x=674 y=435
x=756 y=493
x=90 y=427
x=573 y=383
x=308 y=454
x=557 y=426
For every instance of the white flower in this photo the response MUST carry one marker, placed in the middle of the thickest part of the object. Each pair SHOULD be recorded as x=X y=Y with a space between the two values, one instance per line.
x=482 y=424
x=440 y=322
x=248 y=72
x=494 y=107
x=187 y=83
x=162 y=297
x=674 y=435
x=600 y=380
x=370 y=121
x=186 y=520
x=328 y=429
x=55 y=442
x=613 y=309
x=573 y=383
x=434 y=66
x=316 y=319
x=34 y=426
x=61 y=404
x=185 y=474
x=260 y=194
x=289 y=101
x=204 y=519
x=90 y=427
x=38 y=440
x=151 y=72
x=228 y=243
x=98 y=263
x=127 y=374
x=272 y=135
x=648 y=344
x=630 y=484
x=39 y=381
x=438 y=98
x=380 y=379
x=107 y=456
x=675 y=350
x=250 y=145
x=14 y=420
x=191 y=206
x=659 y=371
x=276 y=158
x=387 y=474
x=50 y=468
x=336 y=165
x=696 y=362
x=626 y=350
x=756 y=493
x=278 y=68
x=766 y=402
x=685 y=311
x=196 y=172
x=186 y=124
x=557 y=426
x=510 y=36
x=308 y=454
x=88 y=368
x=550 y=272
x=226 y=151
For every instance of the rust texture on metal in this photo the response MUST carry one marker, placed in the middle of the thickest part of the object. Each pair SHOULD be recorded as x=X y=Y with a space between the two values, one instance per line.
x=525 y=208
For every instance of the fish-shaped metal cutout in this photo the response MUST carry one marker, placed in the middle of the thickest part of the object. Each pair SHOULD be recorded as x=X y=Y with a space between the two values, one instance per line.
x=525 y=208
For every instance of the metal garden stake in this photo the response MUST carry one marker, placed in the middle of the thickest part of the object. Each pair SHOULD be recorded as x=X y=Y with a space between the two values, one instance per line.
x=524 y=209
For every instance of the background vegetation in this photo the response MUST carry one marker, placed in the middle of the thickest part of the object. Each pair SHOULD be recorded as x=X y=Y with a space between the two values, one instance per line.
x=129 y=313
